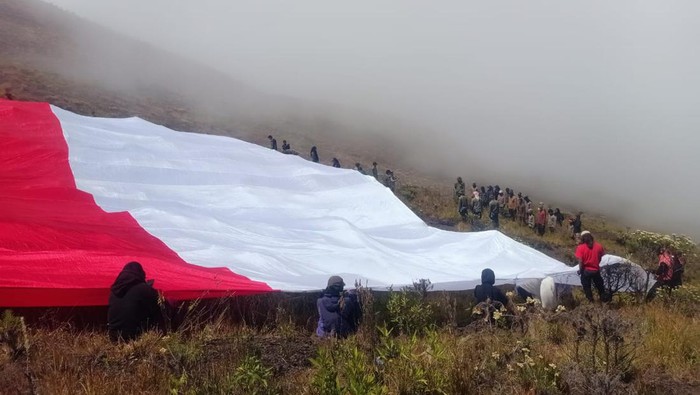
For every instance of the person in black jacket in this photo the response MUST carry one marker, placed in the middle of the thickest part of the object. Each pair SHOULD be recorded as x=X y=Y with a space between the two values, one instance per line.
x=335 y=163
x=339 y=312
x=487 y=291
x=133 y=304
x=314 y=154
x=273 y=142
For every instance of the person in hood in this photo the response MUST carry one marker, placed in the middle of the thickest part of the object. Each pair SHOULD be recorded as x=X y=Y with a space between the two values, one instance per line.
x=339 y=312
x=314 y=154
x=335 y=163
x=486 y=291
x=133 y=304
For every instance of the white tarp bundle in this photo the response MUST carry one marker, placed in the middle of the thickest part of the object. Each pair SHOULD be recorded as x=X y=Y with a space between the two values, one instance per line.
x=280 y=219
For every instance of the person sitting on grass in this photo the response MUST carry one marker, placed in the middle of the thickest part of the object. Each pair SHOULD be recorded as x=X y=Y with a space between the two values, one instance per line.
x=486 y=291
x=339 y=312
x=133 y=304
x=488 y=294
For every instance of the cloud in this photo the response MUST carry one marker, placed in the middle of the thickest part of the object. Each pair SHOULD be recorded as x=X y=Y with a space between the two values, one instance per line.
x=590 y=103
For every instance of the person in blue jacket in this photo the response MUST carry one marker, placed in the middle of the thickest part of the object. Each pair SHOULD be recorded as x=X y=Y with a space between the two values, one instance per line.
x=339 y=312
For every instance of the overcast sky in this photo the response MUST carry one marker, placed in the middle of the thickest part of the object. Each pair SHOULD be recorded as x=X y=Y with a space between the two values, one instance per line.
x=596 y=103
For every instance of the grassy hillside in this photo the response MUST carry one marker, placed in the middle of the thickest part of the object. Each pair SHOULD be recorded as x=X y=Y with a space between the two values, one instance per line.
x=409 y=343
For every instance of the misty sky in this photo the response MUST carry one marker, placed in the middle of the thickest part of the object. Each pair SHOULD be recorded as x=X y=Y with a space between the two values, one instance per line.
x=595 y=103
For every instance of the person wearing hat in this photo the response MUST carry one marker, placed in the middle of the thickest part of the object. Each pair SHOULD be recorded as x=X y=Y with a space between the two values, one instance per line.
x=339 y=312
x=588 y=254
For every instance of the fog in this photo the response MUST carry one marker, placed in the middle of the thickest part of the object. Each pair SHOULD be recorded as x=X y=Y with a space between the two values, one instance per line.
x=587 y=104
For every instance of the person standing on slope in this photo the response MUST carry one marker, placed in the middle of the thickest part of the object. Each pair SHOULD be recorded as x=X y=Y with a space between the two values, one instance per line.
x=494 y=209
x=314 y=154
x=588 y=254
x=476 y=204
x=273 y=142
x=133 y=304
x=460 y=188
x=541 y=220
x=335 y=163
x=513 y=203
x=375 y=171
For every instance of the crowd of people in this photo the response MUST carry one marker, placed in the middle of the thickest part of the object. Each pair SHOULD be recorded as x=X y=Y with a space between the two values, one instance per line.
x=388 y=179
x=500 y=203
x=134 y=306
x=134 y=303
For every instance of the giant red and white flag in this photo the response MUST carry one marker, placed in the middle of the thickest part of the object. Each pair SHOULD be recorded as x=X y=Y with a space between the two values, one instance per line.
x=208 y=216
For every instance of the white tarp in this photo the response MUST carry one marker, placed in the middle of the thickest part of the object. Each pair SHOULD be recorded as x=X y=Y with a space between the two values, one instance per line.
x=281 y=219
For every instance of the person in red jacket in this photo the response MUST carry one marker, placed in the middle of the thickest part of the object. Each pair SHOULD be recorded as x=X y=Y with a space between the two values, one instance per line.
x=541 y=219
x=588 y=254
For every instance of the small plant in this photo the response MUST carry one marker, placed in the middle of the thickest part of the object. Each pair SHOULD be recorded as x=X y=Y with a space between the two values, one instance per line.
x=252 y=377
x=325 y=380
x=408 y=311
x=602 y=351
x=684 y=299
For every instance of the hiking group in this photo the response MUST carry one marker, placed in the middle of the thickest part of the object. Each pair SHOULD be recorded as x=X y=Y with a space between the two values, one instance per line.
x=135 y=306
x=507 y=204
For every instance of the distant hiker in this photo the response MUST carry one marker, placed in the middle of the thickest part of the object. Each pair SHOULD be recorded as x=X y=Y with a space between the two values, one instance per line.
x=285 y=145
x=541 y=220
x=588 y=255
x=552 y=220
x=359 y=168
x=560 y=217
x=314 y=154
x=494 y=209
x=463 y=207
x=513 y=206
x=460 y=188
x=530 y=219
x=474 y=188
x=678 y=266
x=339 y=312
x=502 y=201
x=390 y=180
x=664 y=271
x=133 y=304
x=335 y=163
x=375 y=171
x=576 y=226
x=522 y=210
x=476 y=204
x=273 y=142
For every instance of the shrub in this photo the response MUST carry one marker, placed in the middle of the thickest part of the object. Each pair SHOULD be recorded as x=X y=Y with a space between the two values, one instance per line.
x=408 y=310
x=252 y=377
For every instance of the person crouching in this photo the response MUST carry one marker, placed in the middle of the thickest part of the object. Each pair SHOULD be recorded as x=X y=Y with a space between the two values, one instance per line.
x=133 y=304
x=339 y=312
